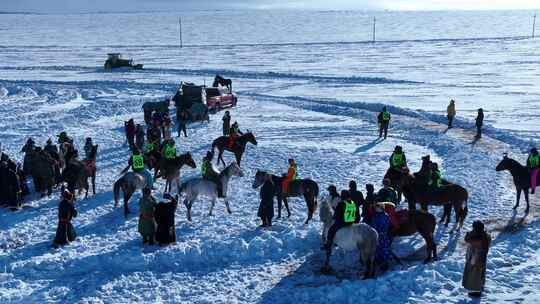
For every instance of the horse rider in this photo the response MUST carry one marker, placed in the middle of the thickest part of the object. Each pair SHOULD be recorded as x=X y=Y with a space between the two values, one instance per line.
x=345 y=215
x=234 y=133
x=52 y=150
x=386 y=193
x=169 y=150
x=137 y=164
x=370 y=200
x=398 y=161
x=88 y=145
x=384 y=120
x=356 y=196
x=226 y=123
x=292 y=174
x=435 y=180
x=533 y=163
x=151 y=153
x=209 y=173
x=64 y=138
x=333 y=196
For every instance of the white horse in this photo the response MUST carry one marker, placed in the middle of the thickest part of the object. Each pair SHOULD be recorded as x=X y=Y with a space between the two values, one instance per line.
x=355 y=237
x=200 y=186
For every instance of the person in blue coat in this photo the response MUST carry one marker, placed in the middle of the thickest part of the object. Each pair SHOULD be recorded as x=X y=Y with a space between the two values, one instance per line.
x=381 y=223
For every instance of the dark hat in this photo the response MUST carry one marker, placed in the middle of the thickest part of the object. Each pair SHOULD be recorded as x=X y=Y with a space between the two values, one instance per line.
x=291 y=160
x=478 y=226
x=89 y=139
x=398 y=149
x=370 y=187
x=331 y=188
x=534 y=150
x=352 y=185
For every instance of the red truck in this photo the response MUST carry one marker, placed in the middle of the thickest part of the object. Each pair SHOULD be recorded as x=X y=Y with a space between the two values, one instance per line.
x=217 y=99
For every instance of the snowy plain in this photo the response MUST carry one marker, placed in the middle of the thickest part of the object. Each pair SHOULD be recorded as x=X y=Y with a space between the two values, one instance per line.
x=310 y=85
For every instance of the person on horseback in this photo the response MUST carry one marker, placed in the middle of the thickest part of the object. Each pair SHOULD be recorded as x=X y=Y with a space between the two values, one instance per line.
x=154 y=134
x=88 y=145
x=209 y=173
x=137 y=164
x=52 y=150
x=387 y=194
x=357 y=197
x=234 y=132
x=398 y=161
x=168 y=151
x=533 y=163
x=435 y=179
x=292 y=174
x=64 y=138
x=383 y=120
x=345 y=215
x=226 y=123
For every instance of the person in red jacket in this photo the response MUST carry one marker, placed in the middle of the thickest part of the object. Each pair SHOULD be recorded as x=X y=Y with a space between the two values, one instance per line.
x=292 y=174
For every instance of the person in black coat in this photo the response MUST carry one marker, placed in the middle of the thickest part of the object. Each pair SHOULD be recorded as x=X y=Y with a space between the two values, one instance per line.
x=479 y=123
x=369 y=202
x=10 y=188
x=343 y=217
x=357 y=197
x=65 y=232
x=164 y=216
x=266 y=207
x=226 y=123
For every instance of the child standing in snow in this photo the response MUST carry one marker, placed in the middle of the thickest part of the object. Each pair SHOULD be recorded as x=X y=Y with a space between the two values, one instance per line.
x=474 y=275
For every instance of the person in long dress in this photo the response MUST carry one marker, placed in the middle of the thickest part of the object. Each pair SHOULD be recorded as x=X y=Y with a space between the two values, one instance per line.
x=164 y=216
x=474 y=275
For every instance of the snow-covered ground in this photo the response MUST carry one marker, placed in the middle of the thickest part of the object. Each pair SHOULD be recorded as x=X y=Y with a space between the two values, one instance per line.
x=311 y=93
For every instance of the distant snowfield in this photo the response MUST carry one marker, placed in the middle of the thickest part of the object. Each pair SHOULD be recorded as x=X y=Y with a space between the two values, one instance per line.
x=315 y=103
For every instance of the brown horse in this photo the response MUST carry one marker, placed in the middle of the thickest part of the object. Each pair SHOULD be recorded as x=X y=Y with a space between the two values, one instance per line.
x=222 y=144
x=299 y=187
x=397 y=179
x=451 y=194
x=170 y=170
x=90 y=166
x=419 y=222
x=520 y=175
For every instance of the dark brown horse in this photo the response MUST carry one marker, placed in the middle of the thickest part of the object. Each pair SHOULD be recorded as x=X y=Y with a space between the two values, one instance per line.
x=397 y=179
x=218 y=80
x=222 y=144
x=521 y=176
x=451 y=194
x=170 y=170
x=419 y=222
x=90 y=167
x=300 y=187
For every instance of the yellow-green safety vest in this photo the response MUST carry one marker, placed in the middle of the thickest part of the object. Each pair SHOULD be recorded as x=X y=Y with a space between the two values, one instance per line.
x=138 y=162
x=170 y=152
x=398 y=160
x=204 y=167
x=534 y=160
x=149 y=147
x=385 y=116
x=350 y=212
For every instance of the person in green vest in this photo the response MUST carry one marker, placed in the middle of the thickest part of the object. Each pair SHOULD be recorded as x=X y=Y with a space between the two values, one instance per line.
x=209 y=173
x=344 y=215
x=398 y=161
x=147 y=223
x=169 y=150
x=384 y=122
x=533 y=163
x=137 y=163
x=435 y=181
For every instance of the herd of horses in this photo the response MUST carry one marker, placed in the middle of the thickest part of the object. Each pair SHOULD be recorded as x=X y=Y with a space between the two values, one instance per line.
x=356 y=237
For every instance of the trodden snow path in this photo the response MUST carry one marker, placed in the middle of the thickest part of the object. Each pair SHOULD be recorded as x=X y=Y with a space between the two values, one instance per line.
x=227 y=258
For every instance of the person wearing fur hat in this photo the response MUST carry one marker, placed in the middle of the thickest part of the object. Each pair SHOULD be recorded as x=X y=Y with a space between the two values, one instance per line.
x=474 y=274
x=65 y=232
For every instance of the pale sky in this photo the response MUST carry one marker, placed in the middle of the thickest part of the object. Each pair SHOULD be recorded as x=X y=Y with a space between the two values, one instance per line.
x=54 y=6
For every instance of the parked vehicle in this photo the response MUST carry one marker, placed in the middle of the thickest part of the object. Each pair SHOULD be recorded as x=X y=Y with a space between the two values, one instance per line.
x=115 y=60
x=218 y=98
x=192 y=98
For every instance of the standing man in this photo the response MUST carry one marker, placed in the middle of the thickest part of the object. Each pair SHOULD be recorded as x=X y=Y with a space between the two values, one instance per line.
x=226 y=123
x=182 y=122
x=65 y=232
x=129 y=127
x=266 y=207
x=474 y=274
x=533 y=163
x=164 y=215
x=479 y=123
x=451 y=113
x=147 y=224
x=384 y=122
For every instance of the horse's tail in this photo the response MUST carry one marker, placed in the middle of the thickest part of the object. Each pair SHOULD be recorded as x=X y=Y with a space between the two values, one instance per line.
x=117 y=186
